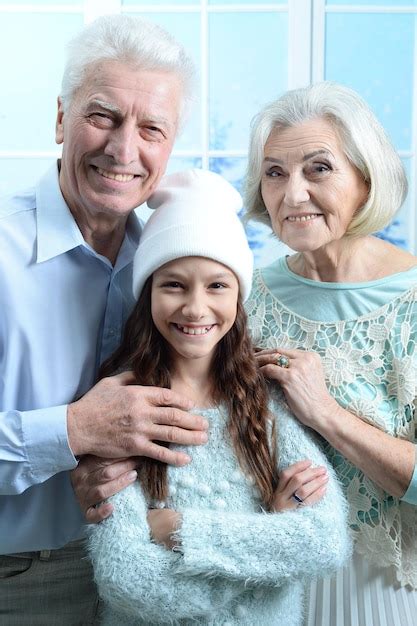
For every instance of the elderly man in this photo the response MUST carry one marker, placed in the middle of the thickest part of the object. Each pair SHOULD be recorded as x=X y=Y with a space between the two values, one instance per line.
x=66 y=253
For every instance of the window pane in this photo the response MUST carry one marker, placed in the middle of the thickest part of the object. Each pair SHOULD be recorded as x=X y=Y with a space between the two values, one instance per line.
x=231 y=168
x=78 y=3
x=185 y=27
x=253 y=2
x=35 y=45
x=373 y=53
x=265 y=247
x=246 y=70
x=20 y=174
x=381 y=3
x=177 y=163
x=137 y=3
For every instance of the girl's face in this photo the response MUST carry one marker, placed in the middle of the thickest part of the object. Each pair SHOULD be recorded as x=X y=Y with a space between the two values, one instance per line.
x=194 y=304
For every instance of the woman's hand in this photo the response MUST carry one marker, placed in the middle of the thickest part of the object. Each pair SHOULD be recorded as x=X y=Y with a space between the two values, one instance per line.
x=163 y=524
x=300 y=485
x=303 y=383
x=387 y=460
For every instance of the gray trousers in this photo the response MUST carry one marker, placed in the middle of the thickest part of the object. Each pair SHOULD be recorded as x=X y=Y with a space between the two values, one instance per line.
x=48 y=588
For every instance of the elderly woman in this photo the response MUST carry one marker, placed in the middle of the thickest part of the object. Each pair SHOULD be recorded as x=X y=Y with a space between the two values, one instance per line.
x=337 y=321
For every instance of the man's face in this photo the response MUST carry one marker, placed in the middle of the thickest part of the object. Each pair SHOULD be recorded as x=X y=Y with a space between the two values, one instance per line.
x=117 y=135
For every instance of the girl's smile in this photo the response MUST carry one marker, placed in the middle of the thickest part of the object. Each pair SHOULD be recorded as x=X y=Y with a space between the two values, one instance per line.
x=194 y=331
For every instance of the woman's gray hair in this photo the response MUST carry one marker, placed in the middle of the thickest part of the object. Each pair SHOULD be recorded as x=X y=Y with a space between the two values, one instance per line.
x=364 y=141
x=126 y=39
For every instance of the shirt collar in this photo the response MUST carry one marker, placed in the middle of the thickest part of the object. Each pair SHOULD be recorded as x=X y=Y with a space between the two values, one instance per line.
x=130 y=243
x=57 y=230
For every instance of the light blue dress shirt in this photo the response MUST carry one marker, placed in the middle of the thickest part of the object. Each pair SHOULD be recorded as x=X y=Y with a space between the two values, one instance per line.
x=62 y=311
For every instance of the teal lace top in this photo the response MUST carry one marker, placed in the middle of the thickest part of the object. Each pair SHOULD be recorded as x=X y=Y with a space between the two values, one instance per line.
x=366 y=335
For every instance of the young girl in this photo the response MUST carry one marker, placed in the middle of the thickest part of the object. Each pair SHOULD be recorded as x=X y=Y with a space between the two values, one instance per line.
x=224 y=539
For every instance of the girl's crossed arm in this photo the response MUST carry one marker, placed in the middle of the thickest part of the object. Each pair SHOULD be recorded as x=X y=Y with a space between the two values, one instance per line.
x=271 y=548
x=139 y=578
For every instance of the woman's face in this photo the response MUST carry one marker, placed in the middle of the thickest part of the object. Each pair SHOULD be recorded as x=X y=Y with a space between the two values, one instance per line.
x=309 y=187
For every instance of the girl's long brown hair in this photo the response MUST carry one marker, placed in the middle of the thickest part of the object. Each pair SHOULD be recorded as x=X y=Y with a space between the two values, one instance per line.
x=238 y=385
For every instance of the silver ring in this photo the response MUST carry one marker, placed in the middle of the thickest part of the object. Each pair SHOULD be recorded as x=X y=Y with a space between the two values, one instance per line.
x=283 y=361
x=297 y=499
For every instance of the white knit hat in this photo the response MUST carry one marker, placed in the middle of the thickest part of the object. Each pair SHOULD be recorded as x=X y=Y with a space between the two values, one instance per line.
x=196 y=215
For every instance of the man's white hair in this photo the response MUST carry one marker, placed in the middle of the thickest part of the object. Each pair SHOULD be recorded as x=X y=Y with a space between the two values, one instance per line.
x=130 y=40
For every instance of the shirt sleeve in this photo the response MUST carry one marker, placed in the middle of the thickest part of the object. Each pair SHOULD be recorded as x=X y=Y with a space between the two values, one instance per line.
x=138 y=577
x=271 y=548
x=33 y=447
x=410 y=495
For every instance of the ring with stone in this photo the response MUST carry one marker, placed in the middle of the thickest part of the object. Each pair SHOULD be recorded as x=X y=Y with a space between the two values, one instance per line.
x=283 y=361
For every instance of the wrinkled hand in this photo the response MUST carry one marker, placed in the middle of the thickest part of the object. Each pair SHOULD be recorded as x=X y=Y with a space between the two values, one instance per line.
x=163 y=524
x=303 y=383
x=308 y=483
x=95 y=479
x=118 y=419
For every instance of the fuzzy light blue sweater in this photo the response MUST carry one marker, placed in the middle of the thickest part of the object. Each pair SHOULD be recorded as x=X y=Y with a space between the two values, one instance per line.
x=238 y=564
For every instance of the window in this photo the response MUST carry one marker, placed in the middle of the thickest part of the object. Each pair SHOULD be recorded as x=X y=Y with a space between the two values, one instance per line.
x=247 y=51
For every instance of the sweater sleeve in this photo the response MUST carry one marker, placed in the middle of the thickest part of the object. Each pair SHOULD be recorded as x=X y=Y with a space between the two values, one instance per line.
x=138 y=577
x=271 y=548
